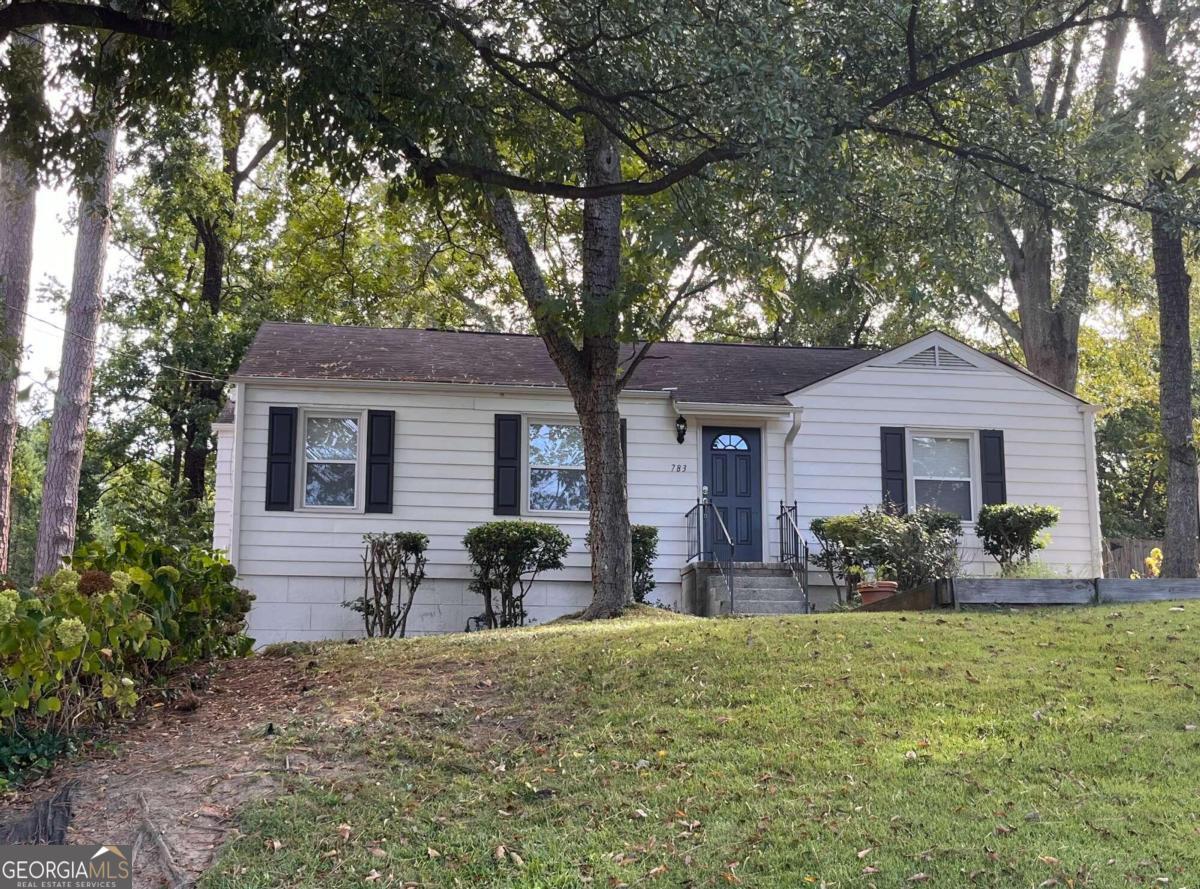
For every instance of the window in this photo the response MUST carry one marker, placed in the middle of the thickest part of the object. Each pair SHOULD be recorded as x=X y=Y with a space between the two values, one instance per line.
x=557 y=478
x=330 y=460
x=728 y=441
x=941 y=472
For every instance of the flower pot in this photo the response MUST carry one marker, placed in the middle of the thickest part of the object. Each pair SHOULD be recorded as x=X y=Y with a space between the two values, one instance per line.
x=873 y=592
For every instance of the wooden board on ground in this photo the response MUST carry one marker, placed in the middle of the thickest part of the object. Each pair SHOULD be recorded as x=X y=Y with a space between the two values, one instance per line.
x=1004 y=591
x=1148 y=589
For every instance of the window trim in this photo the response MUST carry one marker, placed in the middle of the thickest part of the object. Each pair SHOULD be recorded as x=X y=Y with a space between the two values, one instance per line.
x=359 y=462
x=526 y=465
x=971 y=436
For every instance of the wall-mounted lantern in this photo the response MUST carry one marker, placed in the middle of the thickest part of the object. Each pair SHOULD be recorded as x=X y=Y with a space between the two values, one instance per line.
x=680 y=429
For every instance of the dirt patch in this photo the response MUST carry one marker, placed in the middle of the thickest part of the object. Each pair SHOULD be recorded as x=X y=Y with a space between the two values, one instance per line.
x=195 y=769
x=265 y=721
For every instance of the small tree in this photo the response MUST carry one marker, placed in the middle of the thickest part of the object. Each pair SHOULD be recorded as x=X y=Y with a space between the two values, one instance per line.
x=1011 y=532
x=506 y=558
x=393 y=568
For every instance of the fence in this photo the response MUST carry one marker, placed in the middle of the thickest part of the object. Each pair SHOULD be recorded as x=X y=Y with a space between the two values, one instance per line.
x=1125 y=555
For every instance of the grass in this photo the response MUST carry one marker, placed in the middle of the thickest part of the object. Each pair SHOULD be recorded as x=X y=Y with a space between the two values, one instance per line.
x=1039 y=748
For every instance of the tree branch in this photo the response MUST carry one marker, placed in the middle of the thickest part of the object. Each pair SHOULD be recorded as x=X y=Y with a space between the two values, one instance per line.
x=1032 y=39
x=35 y=13
x=533 y=283
x=996 y=312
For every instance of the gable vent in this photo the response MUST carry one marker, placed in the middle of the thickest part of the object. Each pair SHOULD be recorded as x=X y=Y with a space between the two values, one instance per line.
x=936 y=356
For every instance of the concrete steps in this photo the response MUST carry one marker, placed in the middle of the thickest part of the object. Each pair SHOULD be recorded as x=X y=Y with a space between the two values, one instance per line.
x=765 y=589
x=758 y=588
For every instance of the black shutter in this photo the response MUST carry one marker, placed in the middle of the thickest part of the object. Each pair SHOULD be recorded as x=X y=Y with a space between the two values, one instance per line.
x=506 y=493
x=894 y=467
x=281 y=458
x=381 y=447
x=625 y=446
x=991 y=466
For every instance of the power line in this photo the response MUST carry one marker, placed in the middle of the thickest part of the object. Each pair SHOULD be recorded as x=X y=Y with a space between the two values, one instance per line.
x=189 y=374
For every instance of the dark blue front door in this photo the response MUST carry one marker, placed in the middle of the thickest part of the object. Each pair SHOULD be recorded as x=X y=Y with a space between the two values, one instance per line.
x=733 y=476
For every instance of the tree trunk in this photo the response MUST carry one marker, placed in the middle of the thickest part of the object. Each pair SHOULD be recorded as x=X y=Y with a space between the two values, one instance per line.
x=18 y=199
x=68 y=429
x=1163 y=137
x=1175 y=396
x=1048 y=329
x=199 y=431
x=590 y=371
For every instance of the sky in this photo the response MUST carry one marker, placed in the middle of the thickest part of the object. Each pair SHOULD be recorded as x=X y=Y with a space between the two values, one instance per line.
x=53 y=247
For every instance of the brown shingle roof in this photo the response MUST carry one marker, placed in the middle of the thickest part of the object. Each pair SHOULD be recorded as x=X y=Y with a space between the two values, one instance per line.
x=702 y=372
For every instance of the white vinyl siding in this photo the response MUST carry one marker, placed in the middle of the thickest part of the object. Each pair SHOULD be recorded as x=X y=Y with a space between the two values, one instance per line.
x=223 y=487
x=302 y=564
x=837 y=456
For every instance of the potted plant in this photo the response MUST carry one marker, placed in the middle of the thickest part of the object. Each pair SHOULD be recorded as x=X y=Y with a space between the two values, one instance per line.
x=874 y=589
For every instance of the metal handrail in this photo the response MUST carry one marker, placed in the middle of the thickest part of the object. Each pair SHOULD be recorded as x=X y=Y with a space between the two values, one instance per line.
x=702 y=537
x=726 y=566
x=793 y=549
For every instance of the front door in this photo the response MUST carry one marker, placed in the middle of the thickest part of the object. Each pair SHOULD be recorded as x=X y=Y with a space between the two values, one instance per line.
x=733 y=476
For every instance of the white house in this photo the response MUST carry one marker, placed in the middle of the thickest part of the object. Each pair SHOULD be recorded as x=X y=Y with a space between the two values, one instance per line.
x=333 y=432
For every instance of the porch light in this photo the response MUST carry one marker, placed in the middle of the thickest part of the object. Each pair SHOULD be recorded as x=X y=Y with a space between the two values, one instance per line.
x=680 y=429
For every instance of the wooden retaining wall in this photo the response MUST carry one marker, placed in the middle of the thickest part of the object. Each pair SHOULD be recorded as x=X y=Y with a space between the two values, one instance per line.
x=1002 y=591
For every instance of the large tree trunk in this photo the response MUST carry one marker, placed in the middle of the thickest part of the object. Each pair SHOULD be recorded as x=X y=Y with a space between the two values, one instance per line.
x=590 y=371
x=18 y=199
x=1048 y=327
x=1164 y=135
x=68 y=429
x=1175 y=396
x=596 y=393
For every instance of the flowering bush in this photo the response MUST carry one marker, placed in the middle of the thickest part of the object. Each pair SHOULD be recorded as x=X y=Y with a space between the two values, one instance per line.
x=188 y=594
x=71 y=657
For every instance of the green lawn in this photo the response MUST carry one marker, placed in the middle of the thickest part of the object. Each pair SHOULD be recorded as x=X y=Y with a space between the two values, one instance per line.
x=1040 y=748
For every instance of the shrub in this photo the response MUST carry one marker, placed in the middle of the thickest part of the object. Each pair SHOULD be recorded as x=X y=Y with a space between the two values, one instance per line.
x=189 y=594
x=70 y=657
x=506 y=558
x=645 y=551
x=840 y=537
x=1011 y=532
x=393 y=568
x=911 y=549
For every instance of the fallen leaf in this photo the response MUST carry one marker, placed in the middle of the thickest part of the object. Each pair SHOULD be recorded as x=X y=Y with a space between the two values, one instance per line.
x=433 y=853
x=344 y=831
x=373 y=876
x=921 y=877
x=863 y=853
x=500 y=854
x=870 y=869
x=516 y=859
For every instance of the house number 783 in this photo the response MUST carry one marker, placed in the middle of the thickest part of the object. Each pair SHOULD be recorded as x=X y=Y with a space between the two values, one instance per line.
x=679 y=467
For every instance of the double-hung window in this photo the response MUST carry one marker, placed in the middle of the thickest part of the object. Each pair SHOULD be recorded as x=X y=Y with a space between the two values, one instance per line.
x=557 y=477
x=331 y=458
x=942 y=472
